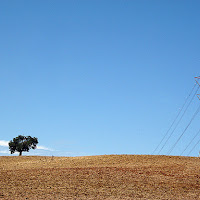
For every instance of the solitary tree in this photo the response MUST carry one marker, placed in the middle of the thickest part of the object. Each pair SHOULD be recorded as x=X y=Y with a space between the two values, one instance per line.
x=22 y=143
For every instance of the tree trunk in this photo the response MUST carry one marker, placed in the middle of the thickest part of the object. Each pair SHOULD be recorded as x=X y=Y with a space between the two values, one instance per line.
x=20 y=153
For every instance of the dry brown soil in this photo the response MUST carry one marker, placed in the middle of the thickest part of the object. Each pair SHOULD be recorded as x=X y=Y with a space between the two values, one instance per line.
x=100 y=177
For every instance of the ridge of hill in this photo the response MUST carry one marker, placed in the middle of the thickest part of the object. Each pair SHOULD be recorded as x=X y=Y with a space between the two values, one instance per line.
x=100 y=177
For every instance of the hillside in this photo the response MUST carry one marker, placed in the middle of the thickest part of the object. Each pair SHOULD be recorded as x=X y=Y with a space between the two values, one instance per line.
x=100 y=177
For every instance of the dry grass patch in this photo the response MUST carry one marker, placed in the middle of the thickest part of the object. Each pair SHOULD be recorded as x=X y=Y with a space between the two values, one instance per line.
x=100 y=177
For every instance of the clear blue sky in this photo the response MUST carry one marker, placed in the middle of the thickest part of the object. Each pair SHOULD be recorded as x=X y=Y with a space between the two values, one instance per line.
x=97 y=77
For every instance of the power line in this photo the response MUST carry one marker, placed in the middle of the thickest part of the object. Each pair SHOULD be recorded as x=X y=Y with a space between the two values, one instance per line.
x=179 y=120
x=190 y=143
x=184 y=130
x=174 y=119
x=198 y=95
x=193 y=147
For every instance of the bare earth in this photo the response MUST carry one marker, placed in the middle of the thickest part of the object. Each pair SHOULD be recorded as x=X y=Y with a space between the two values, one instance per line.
x=100 y=177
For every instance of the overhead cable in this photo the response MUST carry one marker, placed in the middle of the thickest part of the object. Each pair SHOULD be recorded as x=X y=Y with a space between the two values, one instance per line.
x=179 y=119
x=193 y=147
x=175 y=119
x=197 y=111
x=190 y=142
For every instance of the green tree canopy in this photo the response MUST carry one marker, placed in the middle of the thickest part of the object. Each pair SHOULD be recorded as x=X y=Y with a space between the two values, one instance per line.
x=22 y=143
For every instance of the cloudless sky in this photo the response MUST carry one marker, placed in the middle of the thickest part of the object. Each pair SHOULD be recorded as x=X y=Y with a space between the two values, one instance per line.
x=97 y=77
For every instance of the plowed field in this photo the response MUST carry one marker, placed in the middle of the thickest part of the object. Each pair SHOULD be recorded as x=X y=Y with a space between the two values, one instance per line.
x=100 y=177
